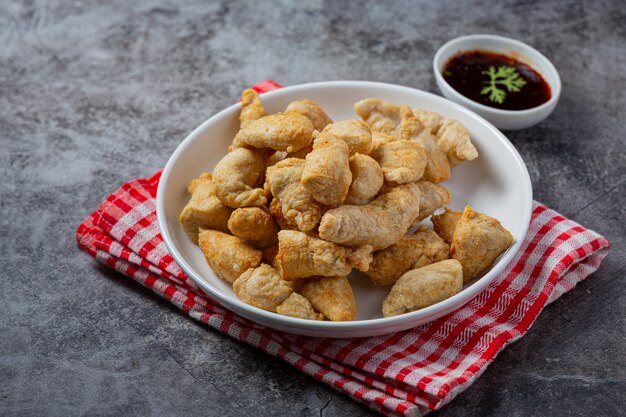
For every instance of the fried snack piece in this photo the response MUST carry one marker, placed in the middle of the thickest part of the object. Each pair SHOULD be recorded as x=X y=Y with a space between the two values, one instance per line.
x=204 y=209
x=297 y=204
x=302 y=153
x=367 y=180
x=326 y=172
x=298 y=306
x=437 y=164
x=423 y=287
x=381 y=115
x=331 y=296
x=429 y=119
x=235 y=177
x=402 y=161
x=478 y=241
x=287 y=132
x=251 y=107
x=261 y=287
x=355 y=133
x=454 y=139
x=423 y=248
x=229 y=256
x=254 y=225
x=432 y=197
x=445 y=223
x=379 y=139
x=380 y=223
x=438 y=167
x=312 y=111
x=301 y=256
x=276 y=211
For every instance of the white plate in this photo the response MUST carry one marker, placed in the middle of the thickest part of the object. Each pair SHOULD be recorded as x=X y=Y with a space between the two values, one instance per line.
x=496 y=183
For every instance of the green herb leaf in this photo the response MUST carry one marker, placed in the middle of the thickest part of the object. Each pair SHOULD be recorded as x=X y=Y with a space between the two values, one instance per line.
x=506 y=76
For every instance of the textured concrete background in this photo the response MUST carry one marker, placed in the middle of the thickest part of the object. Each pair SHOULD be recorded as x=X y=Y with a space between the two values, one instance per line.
x=94 y=93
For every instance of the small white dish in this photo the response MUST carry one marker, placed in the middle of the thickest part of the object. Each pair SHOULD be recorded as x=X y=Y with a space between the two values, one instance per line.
x=497 y=183
x=502 y=119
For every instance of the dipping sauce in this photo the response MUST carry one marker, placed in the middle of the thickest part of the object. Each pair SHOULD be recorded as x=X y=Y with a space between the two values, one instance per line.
x=496 y=80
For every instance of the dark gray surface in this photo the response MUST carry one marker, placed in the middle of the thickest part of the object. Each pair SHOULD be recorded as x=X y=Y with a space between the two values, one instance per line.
x=95 y=93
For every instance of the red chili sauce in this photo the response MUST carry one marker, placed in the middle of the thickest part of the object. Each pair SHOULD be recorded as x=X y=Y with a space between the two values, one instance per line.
x=468 y=74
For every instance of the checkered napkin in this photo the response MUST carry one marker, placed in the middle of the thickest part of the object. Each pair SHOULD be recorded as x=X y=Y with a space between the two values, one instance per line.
x=407 y=373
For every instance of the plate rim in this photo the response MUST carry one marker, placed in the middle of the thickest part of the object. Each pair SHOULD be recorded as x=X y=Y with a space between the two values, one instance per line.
x=304 y=326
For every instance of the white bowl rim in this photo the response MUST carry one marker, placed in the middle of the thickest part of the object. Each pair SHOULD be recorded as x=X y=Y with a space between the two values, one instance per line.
x=555 y=89
x=313 y=325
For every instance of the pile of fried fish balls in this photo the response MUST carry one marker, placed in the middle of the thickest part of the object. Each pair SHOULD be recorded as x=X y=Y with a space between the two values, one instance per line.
x=299 y=201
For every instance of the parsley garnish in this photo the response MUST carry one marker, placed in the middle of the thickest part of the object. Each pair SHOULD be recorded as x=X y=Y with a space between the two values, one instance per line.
x=506 y=76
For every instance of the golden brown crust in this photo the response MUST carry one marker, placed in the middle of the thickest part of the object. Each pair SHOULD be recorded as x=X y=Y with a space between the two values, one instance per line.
x=254 y=225
x=251 y=107
x=429 y=119
x=454 y=139
x=326 y=173
x=301 y=256
x=229 y=256
x=422 y=248
x=381 y=115
x=367 y=180
x=311 y=110
x=297 y=204
x=204 y=209
x=478 y=241
x=287 y=132
x=235 y=177
x=380 y=223
x=423 y=287
x=331 y=296
x=261 y=287
x=355 y=133
x=445 y=223
x=438 y=167
x=299 y=307
x=402 y=161
x=432 y=198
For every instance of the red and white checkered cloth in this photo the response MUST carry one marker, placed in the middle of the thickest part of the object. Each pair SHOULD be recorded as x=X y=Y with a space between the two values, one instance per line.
x=407 y=373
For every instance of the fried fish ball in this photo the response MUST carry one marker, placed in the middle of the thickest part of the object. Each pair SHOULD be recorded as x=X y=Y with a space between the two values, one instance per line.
x=251 y=107
x=276 y=211
x=381 y=115
x=380 y=138
x=423 y=287
x=445 y=223
x=288 y=132
x=423 y=248
x=254 y=225
x=235 y=177
x=331 y=296
x=355 y=133
x=297 y=204
x=433 y=197
x=261 y=287
x=326 y=172
x=204 y=209
x=478 y=240
x=367 y=180
x=301 y=256
x=402 y=161
x=454 y=139
x=313 y=111
x=299 y=307
x=229 y=256
x=430 y=120
x=380 y=223
x=438 y=167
